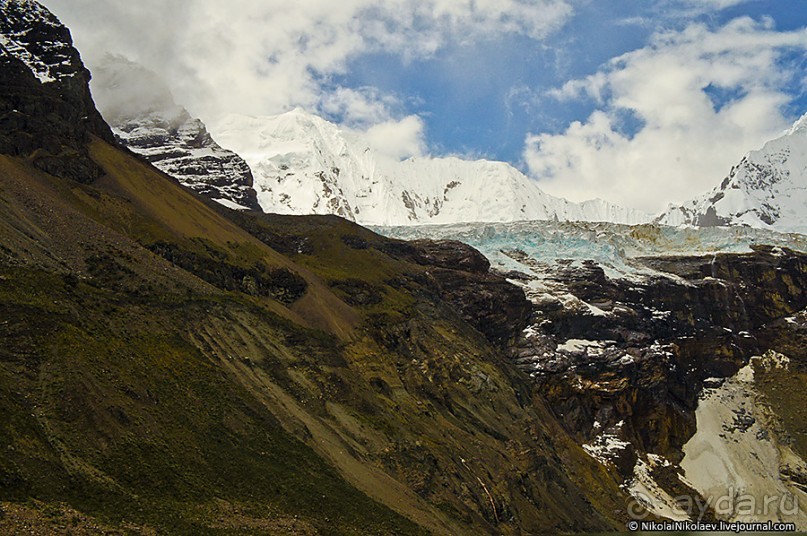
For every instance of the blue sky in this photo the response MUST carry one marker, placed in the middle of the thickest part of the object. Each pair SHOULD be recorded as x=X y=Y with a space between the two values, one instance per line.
x=639 y=102
x=482 y=98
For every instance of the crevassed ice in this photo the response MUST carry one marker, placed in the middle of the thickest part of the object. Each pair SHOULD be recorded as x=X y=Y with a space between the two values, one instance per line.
x=524 y=246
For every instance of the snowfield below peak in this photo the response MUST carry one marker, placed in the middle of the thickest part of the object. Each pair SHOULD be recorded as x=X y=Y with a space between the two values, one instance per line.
x=303 y=164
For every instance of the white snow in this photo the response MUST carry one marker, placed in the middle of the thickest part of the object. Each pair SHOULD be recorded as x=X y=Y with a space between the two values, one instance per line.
x=303 y=164
x=767 y=189
x=605 y=447
x=579 y=345
x=230 y=204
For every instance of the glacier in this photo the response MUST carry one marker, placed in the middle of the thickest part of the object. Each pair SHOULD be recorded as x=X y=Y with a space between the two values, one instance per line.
x=527 y=246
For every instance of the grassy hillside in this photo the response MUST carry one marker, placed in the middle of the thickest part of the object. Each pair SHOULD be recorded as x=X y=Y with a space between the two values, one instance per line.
x=168 y=365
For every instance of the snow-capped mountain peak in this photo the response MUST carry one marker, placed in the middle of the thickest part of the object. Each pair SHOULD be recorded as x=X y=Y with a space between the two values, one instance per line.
x=766 y=189
x=304 y=164
x=800 y=126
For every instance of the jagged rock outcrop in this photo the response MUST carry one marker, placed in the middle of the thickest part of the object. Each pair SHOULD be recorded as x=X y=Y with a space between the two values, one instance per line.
x=145 y=118
x=488 y=302
x=460 y=276
x=450 y=254
x=46 y=111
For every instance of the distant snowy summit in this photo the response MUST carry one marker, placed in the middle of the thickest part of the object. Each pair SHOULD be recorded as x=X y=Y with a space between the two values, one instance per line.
x=303 y=164
x=767 y=190
x=143 y=115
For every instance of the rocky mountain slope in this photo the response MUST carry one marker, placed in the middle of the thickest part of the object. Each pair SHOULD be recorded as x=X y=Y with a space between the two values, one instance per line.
x=168 y=365
x=144 y=116
x=677 y=364
x=306 y=165
x=766 y=189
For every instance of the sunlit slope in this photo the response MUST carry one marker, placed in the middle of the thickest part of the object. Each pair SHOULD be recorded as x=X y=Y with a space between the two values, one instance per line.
x=147 y=207
x=150 y=376
x=108 y=404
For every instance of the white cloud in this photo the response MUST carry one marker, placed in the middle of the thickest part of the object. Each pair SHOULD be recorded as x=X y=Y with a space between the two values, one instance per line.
x=370 y=115
x=267 y=56
x=714 y=4
x=684 y=144
x=359 y=107
x=397 y=139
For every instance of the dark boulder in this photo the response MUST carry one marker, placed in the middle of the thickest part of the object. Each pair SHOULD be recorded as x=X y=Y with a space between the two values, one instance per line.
x=450 y=254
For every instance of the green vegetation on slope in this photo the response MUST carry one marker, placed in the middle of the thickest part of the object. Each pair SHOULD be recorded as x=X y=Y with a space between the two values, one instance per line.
x=152 y=379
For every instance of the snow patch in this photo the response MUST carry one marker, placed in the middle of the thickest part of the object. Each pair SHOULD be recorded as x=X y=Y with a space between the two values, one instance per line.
x=578 y=345
x=230 y=204
x=605 y=447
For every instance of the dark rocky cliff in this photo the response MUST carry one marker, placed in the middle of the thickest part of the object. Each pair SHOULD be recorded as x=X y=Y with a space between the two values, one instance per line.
x=639 y=369
x=46 y=110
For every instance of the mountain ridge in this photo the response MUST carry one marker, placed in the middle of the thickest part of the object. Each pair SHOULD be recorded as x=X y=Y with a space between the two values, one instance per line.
x=173 y=366
x=766 y=189
x=304 y=164
x=144 y=116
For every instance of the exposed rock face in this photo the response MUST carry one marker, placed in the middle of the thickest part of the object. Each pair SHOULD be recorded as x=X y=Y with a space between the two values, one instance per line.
x=145 y=118
x=633 y=359
x=625 y=347
x=488 y=302
x=495 y=307
x=46 y=110
x=181 y=146
x=450 y=254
